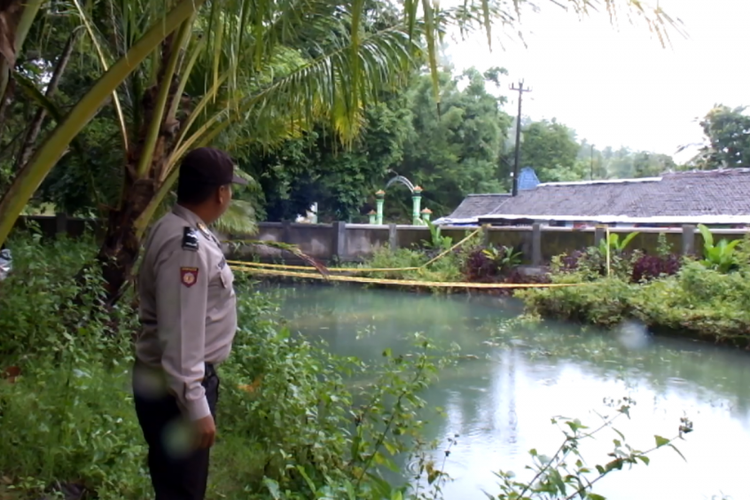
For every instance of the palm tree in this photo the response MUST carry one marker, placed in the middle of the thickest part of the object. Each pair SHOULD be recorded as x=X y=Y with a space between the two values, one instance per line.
x=185 y=73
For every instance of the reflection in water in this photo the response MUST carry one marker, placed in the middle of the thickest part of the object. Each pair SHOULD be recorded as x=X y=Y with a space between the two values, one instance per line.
x=501 y=404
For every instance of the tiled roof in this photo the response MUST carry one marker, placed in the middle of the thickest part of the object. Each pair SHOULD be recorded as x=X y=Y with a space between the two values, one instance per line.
x=679 y=194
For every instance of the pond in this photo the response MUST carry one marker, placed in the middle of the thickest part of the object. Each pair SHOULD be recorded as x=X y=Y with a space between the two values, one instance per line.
x=501 y=403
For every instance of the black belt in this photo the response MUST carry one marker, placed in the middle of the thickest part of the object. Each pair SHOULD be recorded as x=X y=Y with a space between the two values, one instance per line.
x=208 y=368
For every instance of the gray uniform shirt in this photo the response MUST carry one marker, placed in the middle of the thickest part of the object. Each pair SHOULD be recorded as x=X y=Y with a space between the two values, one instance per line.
x=187 y=306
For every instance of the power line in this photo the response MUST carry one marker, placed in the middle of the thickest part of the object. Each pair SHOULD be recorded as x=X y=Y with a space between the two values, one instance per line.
x=520 y=90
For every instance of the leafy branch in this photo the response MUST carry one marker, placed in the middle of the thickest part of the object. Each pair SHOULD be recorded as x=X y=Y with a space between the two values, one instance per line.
x=554 y=480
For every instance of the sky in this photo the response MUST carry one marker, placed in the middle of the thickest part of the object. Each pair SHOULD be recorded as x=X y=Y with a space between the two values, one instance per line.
x=616 y=85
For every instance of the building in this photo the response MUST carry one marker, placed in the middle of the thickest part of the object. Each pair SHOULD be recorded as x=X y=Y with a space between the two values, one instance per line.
x=711 y=197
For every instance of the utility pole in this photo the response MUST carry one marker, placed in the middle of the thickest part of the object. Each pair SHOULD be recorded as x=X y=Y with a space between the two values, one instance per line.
x=592 y=163
x=520 y=90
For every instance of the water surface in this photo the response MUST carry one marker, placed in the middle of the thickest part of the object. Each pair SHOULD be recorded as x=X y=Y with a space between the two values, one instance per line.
x=501 y=404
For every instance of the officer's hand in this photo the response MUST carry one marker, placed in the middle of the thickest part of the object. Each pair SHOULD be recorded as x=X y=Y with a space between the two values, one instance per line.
x=205 y=430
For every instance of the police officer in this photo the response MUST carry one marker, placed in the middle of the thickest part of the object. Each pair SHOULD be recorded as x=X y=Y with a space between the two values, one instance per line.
x=188 y=321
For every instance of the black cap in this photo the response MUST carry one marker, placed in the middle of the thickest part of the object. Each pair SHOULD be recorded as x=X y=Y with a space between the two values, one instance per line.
x=209 y=166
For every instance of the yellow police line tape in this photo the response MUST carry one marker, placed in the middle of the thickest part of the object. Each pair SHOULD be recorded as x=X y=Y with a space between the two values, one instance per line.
x=357 y=269
x=330 y=269
x=427 y=284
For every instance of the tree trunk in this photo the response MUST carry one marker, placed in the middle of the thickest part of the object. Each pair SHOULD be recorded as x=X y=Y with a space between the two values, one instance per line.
x=36 y=124
x=119 y=252
x=5 y=100
x=121 y=246
x=10 y=14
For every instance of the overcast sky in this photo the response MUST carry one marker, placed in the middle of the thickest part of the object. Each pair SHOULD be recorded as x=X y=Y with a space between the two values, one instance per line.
x=617 y=85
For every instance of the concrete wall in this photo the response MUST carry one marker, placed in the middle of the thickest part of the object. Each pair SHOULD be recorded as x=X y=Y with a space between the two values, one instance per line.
x=538 y=244
x=354 y=242
x=52 y=225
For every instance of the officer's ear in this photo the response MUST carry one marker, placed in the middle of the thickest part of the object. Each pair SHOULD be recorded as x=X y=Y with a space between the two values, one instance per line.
x=224 y=194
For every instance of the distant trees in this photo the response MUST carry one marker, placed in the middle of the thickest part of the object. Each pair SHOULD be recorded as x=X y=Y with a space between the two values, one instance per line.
x=551 y=149
x=457 y=152
x=450 y=154
x=467 y=148
x=625 y=163
x=727 y=138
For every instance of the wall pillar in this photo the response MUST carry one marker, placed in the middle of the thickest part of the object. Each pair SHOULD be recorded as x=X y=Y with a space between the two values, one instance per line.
x=339 y=240
x=61 y=223
x=536 y=244
x=393 y=237
x=688 y=239
x=599 y=235
x=373 y=216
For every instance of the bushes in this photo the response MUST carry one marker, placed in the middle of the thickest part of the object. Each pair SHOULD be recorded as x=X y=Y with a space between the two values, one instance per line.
x=445 y=269
x=604 y=303
x=704 y=298
x=694 y=301
x=72 y=424
x=701 y=302
x=649 y=267
x=490 y=265
x=634 y=267
x=37 y=316
x=473 y=264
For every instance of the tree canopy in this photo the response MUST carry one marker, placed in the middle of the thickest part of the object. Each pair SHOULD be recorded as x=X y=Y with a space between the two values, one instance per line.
x=727 y=135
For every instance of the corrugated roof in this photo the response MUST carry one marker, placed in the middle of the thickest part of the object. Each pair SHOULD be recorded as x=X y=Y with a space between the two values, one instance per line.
x=678 y=194
x=479 y=204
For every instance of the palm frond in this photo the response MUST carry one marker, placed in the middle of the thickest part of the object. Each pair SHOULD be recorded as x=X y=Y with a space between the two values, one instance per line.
x=238 y=219
x=318 y=89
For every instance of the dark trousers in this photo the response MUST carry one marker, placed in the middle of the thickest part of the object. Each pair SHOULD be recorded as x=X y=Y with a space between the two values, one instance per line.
x=178 y=471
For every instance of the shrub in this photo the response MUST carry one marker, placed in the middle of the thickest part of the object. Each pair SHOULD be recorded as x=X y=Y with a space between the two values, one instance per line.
x=590 y=264
x=694 y=301
x=490 y=265
x=37 y=316
x=720 y=256
x=446 y=269
x=73 y=424
x=480 y=268
x=648 y=267
x=603 y=303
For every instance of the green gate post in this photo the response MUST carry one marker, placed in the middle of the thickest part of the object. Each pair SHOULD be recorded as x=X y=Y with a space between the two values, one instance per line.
x=373 y=215
x=416 y=198
x=426 y=213
x=379 y=198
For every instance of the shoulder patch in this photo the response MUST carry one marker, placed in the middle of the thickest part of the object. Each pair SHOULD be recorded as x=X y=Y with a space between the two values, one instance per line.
x=189 y=276
x=189 y=239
